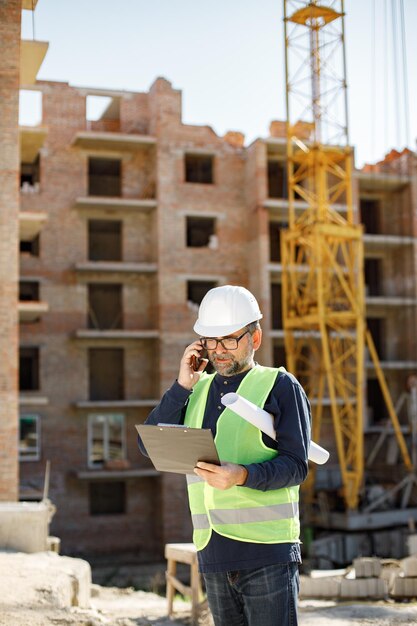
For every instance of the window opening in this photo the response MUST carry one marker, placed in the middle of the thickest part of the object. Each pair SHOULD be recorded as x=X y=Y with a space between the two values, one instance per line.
x=376 y=328
x=106 y=373
x=277 y=179
x=103 y=113
x=29 y=369
x=28 y=291
x=107 y=498
x=105 y=306
x=377 y=409
x=104 y=177
x=198 y=169
x=29 y=438
x=276 y=305
x=104 y=240
x=197 y=289
x=30 y=246
x=370 y=215
x=200 y=231
x=105 y=438
x=30 y=175
x=30 y=107
x=373 y=277
x=275 y=241
x=279 y=356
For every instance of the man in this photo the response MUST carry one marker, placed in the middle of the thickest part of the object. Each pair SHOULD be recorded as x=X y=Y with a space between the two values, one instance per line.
x=245 y=512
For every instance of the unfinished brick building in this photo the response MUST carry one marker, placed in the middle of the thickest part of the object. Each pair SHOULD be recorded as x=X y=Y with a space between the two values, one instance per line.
x=125 y=223
x=137 y=215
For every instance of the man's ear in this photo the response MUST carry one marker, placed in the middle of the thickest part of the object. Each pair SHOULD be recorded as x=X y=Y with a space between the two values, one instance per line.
x=257 y=338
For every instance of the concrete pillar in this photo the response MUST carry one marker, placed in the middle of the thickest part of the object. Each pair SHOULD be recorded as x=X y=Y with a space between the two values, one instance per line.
x=10 y=26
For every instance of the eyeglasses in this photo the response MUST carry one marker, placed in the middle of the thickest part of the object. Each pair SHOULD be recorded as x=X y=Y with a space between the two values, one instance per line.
x=228 y=343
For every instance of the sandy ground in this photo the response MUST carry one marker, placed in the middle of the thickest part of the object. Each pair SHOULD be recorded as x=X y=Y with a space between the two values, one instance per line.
x=39 y=605
x=125 y=607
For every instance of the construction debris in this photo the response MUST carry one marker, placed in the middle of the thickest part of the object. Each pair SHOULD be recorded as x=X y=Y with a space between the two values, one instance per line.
x=367 y=578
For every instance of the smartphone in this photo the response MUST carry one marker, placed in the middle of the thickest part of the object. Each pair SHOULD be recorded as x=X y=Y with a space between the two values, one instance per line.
x=196 y=361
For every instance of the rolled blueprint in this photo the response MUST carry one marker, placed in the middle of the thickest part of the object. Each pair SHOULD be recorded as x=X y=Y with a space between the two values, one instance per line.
x=265 y=422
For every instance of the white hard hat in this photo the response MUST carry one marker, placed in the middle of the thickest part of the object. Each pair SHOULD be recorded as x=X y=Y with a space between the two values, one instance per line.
x=225 y=310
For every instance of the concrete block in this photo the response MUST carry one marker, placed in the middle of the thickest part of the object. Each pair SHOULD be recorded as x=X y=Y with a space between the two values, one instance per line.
x=78 y=573
x=44 y=579
x=412 y=544
x=409 y=566
x=363 y=588
x=367 y=567
x=403 y=587
x=17 y=518
x=319 y=587
x=390 y=571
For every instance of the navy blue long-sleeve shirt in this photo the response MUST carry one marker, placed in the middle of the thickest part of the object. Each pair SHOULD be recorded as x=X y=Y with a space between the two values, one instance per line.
x=288 y=404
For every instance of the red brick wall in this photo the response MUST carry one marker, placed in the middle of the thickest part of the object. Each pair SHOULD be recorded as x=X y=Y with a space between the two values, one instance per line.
x=64 y=359
x=10 y=12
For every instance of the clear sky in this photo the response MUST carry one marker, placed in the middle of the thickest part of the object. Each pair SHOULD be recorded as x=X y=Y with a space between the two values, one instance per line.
x=227 y=57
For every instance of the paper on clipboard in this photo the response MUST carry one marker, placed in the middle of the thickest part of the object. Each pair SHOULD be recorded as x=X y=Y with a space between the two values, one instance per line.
x=177 y=449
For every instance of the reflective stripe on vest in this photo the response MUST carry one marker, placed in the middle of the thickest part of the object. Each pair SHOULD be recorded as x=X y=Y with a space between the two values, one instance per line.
x=244 y=516
x=240 y=513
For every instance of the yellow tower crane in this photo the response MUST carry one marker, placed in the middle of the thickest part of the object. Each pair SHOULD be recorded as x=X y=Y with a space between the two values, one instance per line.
x=322 y=249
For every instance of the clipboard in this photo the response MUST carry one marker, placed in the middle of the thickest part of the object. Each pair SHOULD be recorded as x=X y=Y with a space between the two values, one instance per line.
x=177 y=449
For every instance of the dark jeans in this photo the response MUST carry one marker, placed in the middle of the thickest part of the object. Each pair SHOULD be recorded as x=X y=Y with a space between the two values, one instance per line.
x=266 y=596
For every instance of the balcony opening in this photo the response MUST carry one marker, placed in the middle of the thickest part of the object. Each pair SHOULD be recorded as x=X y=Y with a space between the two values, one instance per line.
x=30 y=175
x=370 y=211
x=197 y=289
x=199 y=169
x=275 y=241
x=30 y=107
x=200 y=232
x=377 y=410
x=30 y=246
x=106 y=439
x=107 y=498
x=279 y=356
x=29 y=369
x=105 y=306
x=104 y=240
x=29 y=291
x=277 y=179
x=103 y=113
x=29 y=438
x=276 y=306
x=373 y=277
x=104 y=177
x=106 y=374
x=375 y=326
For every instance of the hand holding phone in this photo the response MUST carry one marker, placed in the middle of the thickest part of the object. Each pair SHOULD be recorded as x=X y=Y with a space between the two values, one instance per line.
x=193 y=363
x=197 y=361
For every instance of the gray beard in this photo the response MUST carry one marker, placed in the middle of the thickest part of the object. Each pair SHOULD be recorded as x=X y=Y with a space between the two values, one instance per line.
x=236 y=367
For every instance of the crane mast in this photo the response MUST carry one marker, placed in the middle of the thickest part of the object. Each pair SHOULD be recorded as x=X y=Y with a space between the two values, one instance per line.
x=322 y=249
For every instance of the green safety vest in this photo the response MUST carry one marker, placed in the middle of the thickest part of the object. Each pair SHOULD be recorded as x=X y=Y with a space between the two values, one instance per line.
x=240 y=513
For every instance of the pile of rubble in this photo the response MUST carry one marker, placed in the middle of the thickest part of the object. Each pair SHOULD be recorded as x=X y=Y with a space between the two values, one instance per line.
x=367 y=578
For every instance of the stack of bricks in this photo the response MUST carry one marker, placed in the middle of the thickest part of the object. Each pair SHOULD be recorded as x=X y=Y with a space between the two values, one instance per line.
x=326 y=587
x=404 y=584
x=367 y=582
x=370 y=578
